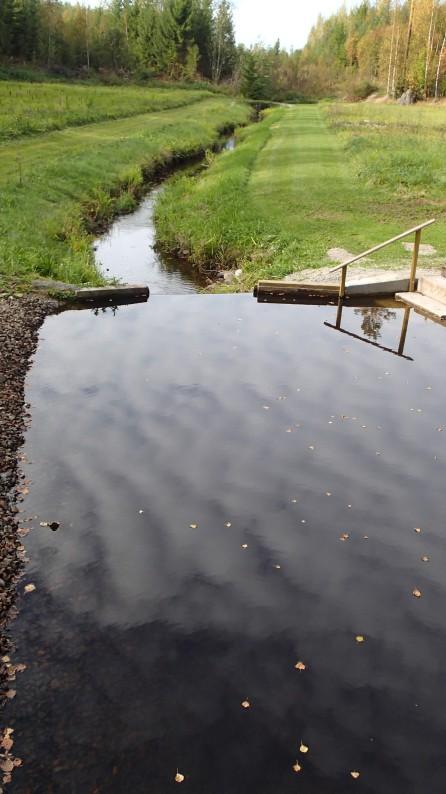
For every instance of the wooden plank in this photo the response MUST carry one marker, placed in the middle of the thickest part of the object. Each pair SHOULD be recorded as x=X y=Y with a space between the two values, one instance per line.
x=382 y=245
x=424 y=304
x=119 y=292
x=295 y=286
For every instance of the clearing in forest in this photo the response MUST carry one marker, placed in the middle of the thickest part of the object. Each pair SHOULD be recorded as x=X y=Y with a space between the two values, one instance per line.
x=54 y=187
x=303 y=181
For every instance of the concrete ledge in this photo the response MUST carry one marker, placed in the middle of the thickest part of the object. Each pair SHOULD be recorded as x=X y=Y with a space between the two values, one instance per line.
x=383 y=286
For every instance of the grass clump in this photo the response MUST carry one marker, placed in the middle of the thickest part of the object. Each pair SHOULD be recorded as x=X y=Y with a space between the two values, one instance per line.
x=307 y=179
x=58 y=189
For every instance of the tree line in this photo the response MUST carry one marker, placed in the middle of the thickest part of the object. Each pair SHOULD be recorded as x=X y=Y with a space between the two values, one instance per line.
x=393 y=45
x=175 y=38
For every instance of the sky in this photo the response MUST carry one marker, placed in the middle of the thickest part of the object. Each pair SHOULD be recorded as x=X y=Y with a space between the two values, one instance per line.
x=288 y=20
x=265 y=21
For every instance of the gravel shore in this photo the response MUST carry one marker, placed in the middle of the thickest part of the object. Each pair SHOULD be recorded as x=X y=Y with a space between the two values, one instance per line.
x=20 y=320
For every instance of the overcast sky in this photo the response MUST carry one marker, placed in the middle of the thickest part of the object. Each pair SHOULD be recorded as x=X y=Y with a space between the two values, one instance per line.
x=287 y=20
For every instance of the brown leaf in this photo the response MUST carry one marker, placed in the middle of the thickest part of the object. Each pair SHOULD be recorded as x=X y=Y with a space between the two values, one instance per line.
x=29 y=588
x=355 y=775
x=193 y=526
x=303 y=748
x=246 y=704
x=417 y=530
x=425 y=558
x=300 y=666
x=6 y=765
x=179 y=777
x=345 y=536
x=416 y=593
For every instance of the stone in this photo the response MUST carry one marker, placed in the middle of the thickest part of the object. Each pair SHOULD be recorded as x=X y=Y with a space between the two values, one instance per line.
x=408 y=98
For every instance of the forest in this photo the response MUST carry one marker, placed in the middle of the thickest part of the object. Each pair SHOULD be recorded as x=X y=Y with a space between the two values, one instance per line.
x=380 y=45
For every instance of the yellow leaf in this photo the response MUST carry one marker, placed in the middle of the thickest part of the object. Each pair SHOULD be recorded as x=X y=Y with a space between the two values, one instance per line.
x=303 y=748
x=179 y=777
x=297 y=767
x=418 y=530
x=29 y=588
x=193 y=526
x=300 y=666
x=360 y=638
x=345 y=536
x=246 y=704
x=355 y=775
x=416 y=593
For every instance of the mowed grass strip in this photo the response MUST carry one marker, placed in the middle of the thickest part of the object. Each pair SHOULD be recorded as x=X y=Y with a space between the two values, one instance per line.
x=52 y=185
x=289 y=192
x=33 y=108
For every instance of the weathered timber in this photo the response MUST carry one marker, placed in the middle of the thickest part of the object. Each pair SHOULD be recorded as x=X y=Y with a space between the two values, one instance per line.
x=425 y=305
x=119 y=292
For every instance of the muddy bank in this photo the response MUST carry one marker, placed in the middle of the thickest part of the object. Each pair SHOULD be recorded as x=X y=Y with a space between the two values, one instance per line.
x=20 y=320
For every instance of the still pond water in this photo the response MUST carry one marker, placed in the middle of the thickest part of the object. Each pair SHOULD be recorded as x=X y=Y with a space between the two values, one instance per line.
x=205 y=455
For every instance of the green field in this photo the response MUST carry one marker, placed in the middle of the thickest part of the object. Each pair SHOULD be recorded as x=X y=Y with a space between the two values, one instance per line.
x=309 y=178
x=55 y=187
x=32 y=108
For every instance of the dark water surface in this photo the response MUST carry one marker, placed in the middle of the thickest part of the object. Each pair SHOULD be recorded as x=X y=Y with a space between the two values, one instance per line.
x=262 y=427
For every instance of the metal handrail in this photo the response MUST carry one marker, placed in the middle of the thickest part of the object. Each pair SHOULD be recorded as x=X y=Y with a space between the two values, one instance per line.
x=415 y=230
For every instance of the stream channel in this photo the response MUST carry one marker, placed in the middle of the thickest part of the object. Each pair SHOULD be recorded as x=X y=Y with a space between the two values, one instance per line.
x=126 y=252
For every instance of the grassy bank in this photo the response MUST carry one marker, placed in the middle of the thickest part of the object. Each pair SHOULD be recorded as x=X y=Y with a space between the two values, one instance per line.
x=298 y=184
x=33 y=108
x=54 y=188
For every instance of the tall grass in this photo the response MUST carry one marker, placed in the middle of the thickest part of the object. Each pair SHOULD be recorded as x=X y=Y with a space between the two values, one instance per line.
x=32 y=108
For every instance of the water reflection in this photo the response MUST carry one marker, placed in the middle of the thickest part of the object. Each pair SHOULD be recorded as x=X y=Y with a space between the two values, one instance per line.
x=164 y=448
x=373 y=318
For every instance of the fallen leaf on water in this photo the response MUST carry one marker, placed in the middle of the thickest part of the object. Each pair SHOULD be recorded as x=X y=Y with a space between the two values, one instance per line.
x=277 y=567
x=359 y=638
x=246 y=704
x=327 y=493
x=179 y=777
x=416 y=593
x=303 y=748
x=228 y=524
x=417 y=530
x=244 y=545
x=300 y=666
x=344 y=536
x=311 y=447
x=425 y=558
x=6 y=765
x=29 y=588
x=355 y=775
x=297 y=767
x=193 y=526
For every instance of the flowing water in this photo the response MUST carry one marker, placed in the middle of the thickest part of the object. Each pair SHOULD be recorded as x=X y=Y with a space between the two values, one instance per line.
x=127 y=251
x=238 y=487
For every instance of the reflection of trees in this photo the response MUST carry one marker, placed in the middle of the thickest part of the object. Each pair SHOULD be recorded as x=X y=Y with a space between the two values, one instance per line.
x=373 y=319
